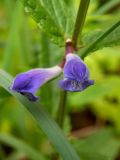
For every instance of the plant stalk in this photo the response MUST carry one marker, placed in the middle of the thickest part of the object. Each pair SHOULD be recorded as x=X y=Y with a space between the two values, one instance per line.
x=61 y=108
x=80 y=20
x=70 y=48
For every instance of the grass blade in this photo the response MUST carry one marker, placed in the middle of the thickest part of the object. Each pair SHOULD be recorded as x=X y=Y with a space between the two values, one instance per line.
x=18 y=144
x=85 y=51
x=44 y=120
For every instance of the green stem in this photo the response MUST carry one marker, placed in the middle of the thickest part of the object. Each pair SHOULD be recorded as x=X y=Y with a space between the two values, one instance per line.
x=80 y=20
x=81 y=15
x=60 y=115
x=85 y=51
x=61 y=108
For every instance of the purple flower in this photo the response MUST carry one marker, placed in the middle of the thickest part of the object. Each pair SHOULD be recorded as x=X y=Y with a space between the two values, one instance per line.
x=76 y=74
x=27 y=83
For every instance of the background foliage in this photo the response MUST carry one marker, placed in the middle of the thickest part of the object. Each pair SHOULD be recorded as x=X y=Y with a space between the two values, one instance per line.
x=31 y=33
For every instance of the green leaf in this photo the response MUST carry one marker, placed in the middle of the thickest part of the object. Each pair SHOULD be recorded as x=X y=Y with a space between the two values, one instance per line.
x=59 y=11
x=4 y=93
x=54 y=18
x=21 y=146
x=44 y=120
x=113 y=39
x=43 y=12
x=71 y=13
x=101 y=144
x=109 y=37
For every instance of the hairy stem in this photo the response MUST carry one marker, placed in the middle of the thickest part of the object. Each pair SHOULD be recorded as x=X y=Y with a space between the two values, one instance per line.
x=82 y=11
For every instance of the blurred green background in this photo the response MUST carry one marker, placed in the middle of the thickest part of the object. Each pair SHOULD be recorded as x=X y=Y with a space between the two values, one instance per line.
x=92 y=116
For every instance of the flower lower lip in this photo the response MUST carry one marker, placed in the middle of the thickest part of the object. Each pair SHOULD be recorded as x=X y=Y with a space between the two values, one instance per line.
x=74 y=86
x=76 y=74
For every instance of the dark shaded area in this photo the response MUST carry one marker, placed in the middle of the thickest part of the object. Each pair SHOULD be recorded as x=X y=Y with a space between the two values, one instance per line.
x=81 y=119
x=114 y=8
x=7 y=149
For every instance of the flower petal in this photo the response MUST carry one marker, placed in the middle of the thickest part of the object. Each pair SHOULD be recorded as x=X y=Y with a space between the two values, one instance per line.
x=28 y=83
x=72 y=85
x=75 y=68
x=76 y=74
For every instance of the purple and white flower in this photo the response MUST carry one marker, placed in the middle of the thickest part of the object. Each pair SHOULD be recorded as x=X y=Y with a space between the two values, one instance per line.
x=27 y=83
x=76 y=74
